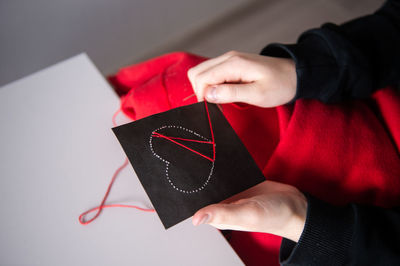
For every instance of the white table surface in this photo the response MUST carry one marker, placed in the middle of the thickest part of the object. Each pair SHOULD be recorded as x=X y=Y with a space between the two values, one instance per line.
x=57 y=155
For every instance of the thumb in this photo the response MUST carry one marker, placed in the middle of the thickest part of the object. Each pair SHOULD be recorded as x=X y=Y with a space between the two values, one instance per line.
x=236 y=216
x=227 y=93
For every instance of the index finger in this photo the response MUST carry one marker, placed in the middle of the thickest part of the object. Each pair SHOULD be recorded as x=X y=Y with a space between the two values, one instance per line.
x=196 y=70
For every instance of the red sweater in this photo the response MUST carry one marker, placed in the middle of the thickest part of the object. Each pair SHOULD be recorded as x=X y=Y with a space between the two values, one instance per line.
x=339 y=153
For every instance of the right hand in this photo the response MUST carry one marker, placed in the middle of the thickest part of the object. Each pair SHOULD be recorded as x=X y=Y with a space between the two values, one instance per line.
x=240 y=77
x=269 y=207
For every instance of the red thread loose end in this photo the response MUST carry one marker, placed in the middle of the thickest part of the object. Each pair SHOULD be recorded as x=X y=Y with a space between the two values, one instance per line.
x=102 y=205
x=82 y=220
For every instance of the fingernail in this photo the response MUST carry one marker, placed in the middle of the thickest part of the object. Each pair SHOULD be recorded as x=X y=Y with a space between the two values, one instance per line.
x=203 y=219
x=212 y=94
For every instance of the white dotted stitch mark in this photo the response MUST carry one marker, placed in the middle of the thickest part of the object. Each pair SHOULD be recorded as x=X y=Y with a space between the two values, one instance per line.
x=167 y=162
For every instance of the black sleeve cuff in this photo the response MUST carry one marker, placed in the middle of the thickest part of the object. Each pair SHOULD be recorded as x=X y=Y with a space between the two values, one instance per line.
x=316 y=69
x=328 y=67
x=326 y=238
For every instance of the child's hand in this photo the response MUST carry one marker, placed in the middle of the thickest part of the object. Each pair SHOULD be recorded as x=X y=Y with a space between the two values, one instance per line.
x=268 y=207
x=239 y=77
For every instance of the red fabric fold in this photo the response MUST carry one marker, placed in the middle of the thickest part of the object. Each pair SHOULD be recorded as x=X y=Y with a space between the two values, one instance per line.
x=340 y=153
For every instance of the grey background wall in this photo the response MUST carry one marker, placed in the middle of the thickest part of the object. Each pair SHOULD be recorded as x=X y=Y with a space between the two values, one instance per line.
x=37 y=33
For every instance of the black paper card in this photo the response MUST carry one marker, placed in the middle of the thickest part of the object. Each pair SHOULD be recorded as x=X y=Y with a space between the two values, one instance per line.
x=182 y=165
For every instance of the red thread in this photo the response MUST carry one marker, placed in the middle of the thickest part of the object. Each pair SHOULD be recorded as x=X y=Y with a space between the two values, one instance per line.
x=113 y=206
x=156 y=134
x=102 y=205
x=115 y=116
x=188 y=97
x=192 y=140
x=211 y=130
x=186 y=147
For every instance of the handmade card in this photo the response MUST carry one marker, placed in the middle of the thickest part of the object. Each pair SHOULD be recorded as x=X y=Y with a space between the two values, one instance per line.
x=187 y=158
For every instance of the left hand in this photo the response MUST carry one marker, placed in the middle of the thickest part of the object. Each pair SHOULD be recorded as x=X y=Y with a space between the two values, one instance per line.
x=268 y=207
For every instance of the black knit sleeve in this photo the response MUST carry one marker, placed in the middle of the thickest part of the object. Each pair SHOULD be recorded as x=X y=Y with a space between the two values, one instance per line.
x=334 y=63
x=349 y=235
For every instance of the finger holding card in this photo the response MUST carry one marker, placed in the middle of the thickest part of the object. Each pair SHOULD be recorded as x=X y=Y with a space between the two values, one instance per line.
x=269 y=207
